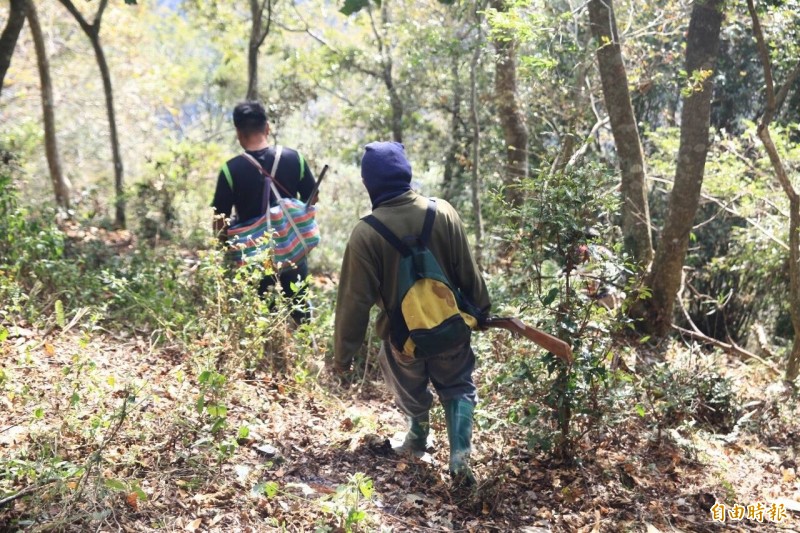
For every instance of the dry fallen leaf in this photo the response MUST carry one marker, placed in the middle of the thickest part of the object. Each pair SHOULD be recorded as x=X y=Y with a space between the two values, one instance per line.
x=132 y=499
x=49 y=349
x=194 y=524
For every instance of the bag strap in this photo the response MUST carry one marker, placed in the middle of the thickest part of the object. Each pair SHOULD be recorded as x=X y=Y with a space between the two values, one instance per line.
x=269 y=179
x=399 y=245
x=427 y=226
x=387 y=234
x=273 y=173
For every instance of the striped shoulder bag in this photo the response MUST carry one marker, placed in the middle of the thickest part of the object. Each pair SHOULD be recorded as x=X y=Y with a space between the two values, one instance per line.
x=288 y=229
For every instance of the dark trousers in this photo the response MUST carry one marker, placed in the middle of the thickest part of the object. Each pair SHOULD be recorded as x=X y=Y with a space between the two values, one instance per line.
x=301 y=313
x=450 y=372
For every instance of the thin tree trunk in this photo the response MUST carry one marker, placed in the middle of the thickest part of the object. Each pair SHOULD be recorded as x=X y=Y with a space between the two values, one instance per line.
x=635 y=210
x=258 y=33
x=105 y=74
x=664 y=278
x=515 y=131
x=60 y=185
x=772 y=106
x=8 y=40
x=92 y=31
x=395 y=101
x=451 y=158
x=252 y=52
x=476 y=152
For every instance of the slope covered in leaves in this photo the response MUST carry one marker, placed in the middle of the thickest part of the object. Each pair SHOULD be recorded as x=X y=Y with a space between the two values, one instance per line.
x=111 y=432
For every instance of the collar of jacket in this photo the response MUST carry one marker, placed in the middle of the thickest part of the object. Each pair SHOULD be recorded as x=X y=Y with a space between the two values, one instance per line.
x=402 y=199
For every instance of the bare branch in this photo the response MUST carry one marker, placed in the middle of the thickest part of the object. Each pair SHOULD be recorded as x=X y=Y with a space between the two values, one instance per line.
x=784 y=92
x=99 y=15
x=763 y=55
x=264 y=33
x=84 y=24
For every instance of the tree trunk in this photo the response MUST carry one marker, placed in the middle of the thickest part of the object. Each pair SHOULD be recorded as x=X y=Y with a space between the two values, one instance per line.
x=635 y=211
x=105 y=74
x=387 y=65
x=252 y=50
x=476 y=152
x=773 y=104
x=664 y=278
x=451 y=158
x=515 y=132
x=8 y=40
x=92 y=31
x=395 y=101
x=60 y=185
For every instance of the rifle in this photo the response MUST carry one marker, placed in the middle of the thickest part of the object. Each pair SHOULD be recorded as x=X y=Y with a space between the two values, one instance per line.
x=559 y=348
x=315 y=190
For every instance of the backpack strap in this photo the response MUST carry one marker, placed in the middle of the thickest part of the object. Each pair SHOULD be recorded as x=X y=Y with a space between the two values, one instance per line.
x=427 y=227
x=387 y=234
x=399 y=245
x=271 y=175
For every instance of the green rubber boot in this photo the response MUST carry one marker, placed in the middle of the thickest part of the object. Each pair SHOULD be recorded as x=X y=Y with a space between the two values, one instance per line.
x=458 y=415
x=416 y=440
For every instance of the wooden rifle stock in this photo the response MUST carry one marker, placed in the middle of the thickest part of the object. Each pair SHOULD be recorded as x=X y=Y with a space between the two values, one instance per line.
x=559 y=348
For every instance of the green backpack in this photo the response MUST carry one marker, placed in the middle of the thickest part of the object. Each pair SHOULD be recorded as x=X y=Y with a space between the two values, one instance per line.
x=432 y=316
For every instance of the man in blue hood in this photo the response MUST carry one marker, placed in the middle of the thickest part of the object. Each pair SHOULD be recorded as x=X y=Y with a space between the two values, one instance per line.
x=369 y=276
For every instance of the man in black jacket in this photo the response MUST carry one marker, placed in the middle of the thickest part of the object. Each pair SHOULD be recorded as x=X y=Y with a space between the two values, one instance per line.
x=240 y=187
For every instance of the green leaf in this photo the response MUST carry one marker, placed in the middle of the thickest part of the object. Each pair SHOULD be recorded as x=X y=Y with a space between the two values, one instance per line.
x=217 y=410
x=269 y=489
x=60 y=318
x=204 y=376
x=38 y=413
x=218 y=425
x=115 y=484
x=353 y=6
x=640 y=410
x=366 y=488
x=551 y=296
x=74 y=399
x=243 y=432
x=139 y=492
x=3 y=334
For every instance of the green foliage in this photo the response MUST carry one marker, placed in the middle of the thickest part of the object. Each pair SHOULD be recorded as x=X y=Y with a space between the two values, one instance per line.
x=189 y=299
x=354 y=6
x=346 y=503
x=565 y=262
x=677 y=396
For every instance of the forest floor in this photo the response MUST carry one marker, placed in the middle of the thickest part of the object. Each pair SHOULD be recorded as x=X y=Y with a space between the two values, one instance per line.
x=101 y=432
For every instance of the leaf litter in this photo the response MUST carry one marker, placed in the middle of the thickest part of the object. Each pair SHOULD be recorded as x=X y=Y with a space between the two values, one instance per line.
x=163 y=469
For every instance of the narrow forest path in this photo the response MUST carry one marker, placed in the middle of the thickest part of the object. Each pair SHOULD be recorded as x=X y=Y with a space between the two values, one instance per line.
x=305 y=451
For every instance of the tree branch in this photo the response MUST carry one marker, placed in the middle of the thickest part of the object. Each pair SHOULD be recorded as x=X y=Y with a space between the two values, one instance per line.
x=99 y=15
x=84 y=24
x=732 y=348
x=784 y=91
x=264 y=33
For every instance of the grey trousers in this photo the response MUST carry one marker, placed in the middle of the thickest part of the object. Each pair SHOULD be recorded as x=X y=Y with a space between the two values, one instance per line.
x=407 y=377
